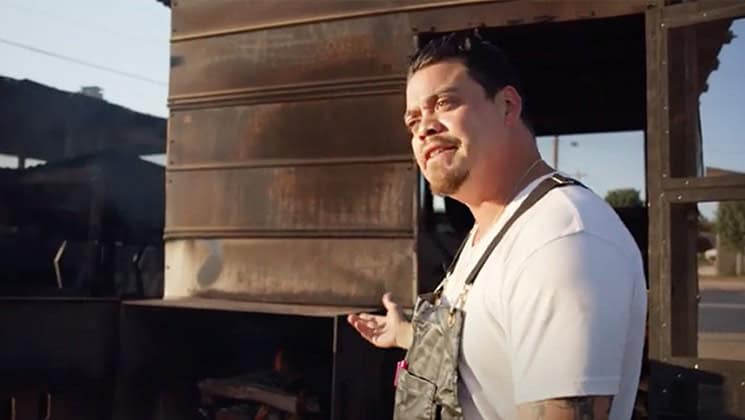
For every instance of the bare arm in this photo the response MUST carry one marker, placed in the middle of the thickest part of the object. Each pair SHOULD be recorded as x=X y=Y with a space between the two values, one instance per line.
x=574 y=408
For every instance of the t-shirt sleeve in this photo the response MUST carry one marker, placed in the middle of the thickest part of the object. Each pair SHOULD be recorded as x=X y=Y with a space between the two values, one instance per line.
x=568 y=309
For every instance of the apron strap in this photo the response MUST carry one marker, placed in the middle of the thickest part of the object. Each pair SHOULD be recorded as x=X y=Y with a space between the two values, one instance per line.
x=555 y=181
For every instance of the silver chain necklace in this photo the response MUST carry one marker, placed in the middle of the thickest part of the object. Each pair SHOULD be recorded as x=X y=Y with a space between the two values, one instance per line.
x=514 y=191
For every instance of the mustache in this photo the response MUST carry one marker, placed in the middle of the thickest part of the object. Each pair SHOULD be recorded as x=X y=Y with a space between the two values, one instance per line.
x=444 y=140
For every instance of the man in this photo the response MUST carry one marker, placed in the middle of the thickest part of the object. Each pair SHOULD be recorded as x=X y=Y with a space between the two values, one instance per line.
x=550 y=325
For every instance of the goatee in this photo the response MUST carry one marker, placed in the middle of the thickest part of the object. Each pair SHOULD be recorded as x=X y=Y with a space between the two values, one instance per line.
x=447 y=182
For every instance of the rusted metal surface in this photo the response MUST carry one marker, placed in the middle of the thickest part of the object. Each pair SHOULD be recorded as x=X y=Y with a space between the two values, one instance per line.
x=699 y=11
x=354 y=48
x=709 y=194
x=509 y=13
x=336 y=197
x=684 y=279
x=722 y=188
x=693 y=53
x=688 y=386
x=344 y=128
x=199 y=18
x=300 y=91
x=659 y=287
x=322 y=311
x=347 y=272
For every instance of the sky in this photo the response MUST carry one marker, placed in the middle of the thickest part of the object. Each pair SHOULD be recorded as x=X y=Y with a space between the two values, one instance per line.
x=132 y=37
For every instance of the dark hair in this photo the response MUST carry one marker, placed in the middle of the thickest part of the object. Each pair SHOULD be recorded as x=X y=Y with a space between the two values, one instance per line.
x=487 y=64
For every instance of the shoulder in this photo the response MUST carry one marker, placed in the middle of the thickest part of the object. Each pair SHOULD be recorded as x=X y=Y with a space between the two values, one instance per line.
x=575 y=216
x=572 y=240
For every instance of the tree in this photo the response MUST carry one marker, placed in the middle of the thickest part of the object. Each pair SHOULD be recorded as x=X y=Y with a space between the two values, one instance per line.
x=704 y=224
x=730 y=224
x=624 y=197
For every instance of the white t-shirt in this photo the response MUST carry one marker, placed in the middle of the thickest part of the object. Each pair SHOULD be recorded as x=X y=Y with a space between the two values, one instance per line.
x=558 y=310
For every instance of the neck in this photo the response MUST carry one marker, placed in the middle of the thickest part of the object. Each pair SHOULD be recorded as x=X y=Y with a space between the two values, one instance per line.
x=487 y=207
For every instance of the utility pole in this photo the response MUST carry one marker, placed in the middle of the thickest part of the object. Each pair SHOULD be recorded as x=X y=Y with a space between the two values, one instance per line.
x=556 y=152
x=579 y=175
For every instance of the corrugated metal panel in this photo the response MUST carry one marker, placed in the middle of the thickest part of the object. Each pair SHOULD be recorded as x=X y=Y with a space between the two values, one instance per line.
x=205 y=17
x=354 y=197
x=308 y=271
x=510 y=13
x=355 y=48
x=343 y=128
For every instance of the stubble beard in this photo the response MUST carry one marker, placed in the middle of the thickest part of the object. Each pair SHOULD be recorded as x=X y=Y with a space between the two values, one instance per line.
x=447 y=180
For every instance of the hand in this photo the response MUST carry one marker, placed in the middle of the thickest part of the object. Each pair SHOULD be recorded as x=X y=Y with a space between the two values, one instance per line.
x=391 y=330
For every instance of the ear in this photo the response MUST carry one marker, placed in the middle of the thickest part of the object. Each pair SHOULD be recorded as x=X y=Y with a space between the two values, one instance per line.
x=513 y=105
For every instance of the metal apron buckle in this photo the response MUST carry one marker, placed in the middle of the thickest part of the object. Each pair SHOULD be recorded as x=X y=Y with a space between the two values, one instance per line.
x=458 y=305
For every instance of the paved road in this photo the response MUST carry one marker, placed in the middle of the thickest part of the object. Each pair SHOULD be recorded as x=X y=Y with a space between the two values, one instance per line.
x=721 y=320
x=722 y=311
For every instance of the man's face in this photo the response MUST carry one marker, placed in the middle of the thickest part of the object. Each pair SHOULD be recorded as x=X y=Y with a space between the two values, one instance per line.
x=453 y=124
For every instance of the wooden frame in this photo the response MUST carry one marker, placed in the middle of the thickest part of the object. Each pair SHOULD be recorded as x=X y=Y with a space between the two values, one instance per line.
x=672 y=325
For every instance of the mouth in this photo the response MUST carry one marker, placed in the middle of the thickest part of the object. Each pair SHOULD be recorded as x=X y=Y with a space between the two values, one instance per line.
x=436 y=150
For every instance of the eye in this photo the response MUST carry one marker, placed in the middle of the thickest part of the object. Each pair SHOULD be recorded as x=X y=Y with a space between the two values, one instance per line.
x=412 y=125
x=443 y=104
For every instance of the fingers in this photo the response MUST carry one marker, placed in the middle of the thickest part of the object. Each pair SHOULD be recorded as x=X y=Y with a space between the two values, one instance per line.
x=369 y=326
x=367 y=322
x=371 y=317
x=388 y=303
x=353 y=318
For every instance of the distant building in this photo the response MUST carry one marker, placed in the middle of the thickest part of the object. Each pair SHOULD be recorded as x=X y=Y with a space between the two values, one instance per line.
x=92 y=91
x=728 y=262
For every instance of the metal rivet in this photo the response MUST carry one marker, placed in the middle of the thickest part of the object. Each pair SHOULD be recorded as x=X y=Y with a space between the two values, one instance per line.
x=667 y=131
x=703 y=14
x=664 y=107
x=662 y=25
x=687 y=182
x=695 y=366
x=679 y=376
x=664 y=325
x=664 y=62
x=742 y=383
x=679 y=197
x=664 y=390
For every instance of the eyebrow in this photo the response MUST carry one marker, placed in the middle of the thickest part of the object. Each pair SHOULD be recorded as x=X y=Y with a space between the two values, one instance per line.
x=449 y=89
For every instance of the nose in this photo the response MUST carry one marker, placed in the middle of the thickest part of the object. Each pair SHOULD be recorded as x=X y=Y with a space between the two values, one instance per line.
x=429 y=126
